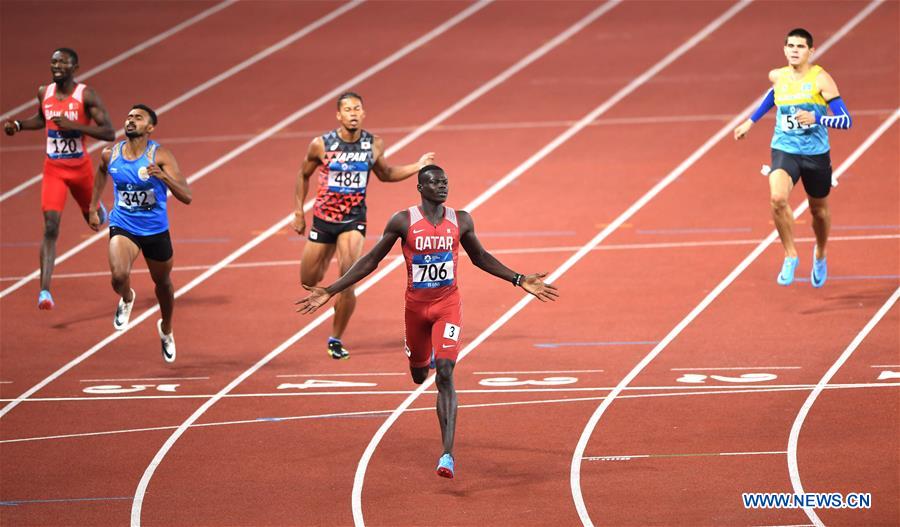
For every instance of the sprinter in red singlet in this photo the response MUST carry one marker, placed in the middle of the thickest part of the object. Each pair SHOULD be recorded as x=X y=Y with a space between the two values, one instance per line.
x=66 y=109
x=431 y=234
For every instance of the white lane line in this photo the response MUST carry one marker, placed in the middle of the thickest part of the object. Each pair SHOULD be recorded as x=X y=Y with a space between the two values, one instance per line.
x=148 y=379
x=384 y=63
x=430 y=408
x=740 y=368
x=356 y=496
x=131 y=52
x=575 y=470
x=459 y=105
x=532 y=371
x=627 y=457
x=746 y=388
x=793 y=467
x=885 y=366
x=218 y=79
x=515 y=250
x=339 y=375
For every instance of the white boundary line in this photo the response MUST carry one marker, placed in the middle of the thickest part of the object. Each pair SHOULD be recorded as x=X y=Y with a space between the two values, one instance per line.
x=200 y=88
x=465 y=101
x=384 y=63
x=356 y=497
x=575 y=476
x=260 y=420
x=575 y=469
x=133 y=51
x=793 y=438
x=514 y=250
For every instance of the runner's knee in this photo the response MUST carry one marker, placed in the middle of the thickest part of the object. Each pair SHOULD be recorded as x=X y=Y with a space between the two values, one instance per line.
x=51 y=228
x=779 y=202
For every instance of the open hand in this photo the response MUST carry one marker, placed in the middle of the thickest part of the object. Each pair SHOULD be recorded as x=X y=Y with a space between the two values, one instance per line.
x=317 y=298
x=534 y=284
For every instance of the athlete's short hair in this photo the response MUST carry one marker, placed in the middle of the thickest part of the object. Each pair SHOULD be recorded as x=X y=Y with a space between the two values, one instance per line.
x=429 y=169
x=150 y=112
x=802 y=33
x=348 y=95
x=68 y=51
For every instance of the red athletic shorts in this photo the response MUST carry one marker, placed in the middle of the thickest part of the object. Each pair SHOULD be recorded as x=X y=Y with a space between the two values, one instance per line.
x=78 y=179
x=433 y=325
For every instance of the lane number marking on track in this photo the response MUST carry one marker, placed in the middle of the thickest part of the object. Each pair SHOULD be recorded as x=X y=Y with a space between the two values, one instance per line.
x=697 y=378
x=498 y=382
x=323 y=383
x=112 y=389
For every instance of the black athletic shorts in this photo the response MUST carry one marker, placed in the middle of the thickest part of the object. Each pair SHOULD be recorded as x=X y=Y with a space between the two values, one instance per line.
x=815 y=171
x=326 y=232
x=156 y=247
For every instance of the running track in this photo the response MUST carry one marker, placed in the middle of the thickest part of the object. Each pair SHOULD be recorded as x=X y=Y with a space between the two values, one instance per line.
x=282 y=447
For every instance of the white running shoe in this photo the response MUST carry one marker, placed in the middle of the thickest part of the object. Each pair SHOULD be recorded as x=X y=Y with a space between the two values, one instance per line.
x=123 y=312
x=168 y=343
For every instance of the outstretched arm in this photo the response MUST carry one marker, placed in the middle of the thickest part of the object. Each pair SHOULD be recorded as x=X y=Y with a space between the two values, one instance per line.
x=533 y=283
x=311 y=162
x=397 y=173
x=395 y=229
x=102 y=129
x=166 y=169
x=35 y=122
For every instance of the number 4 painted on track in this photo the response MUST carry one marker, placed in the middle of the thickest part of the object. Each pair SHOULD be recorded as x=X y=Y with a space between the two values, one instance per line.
x=113 y=389
x=696 y=378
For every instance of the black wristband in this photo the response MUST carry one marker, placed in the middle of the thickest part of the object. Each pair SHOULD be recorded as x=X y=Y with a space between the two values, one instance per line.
x=517 y=280
x=18 y=125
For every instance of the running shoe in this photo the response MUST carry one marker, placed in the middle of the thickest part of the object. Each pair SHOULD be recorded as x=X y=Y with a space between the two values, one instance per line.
x=445 y=466
x=786 y=276
x=336 y=350
x=819 y=271
x=167 y=342
x=123 y=312
x=45 y=300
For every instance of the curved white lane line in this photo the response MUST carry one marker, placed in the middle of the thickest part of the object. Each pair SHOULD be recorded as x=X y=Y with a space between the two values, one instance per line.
x=794 y=437
x=578 y=454
x=133 y=51
x=359 y=478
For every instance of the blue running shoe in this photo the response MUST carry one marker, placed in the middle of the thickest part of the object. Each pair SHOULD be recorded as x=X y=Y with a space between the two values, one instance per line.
x=431 y=364
x=819 y=271
x=336 y=349
x=445 y=466
x=786 y=276
x=45 y=301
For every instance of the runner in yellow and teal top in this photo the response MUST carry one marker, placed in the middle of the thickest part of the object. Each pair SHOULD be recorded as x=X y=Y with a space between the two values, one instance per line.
x=802 y=93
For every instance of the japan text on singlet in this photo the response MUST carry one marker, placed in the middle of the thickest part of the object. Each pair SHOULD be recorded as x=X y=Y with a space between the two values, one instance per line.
x=792 y=95
x=65 y=147
x=140 y=199
x=431 y=253
x=343 y=178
